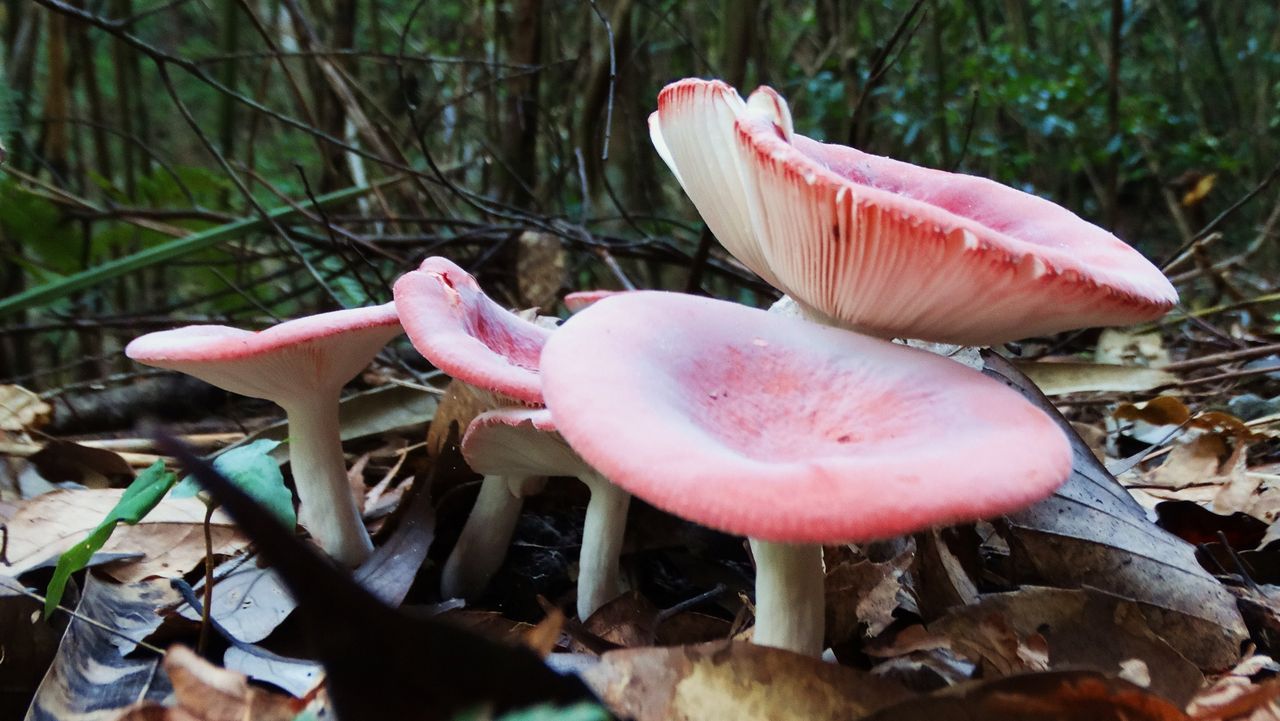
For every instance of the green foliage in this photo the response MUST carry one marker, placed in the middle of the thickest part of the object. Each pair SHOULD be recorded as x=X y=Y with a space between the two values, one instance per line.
x=139 y=498
x=584 y=711
x=252 y=468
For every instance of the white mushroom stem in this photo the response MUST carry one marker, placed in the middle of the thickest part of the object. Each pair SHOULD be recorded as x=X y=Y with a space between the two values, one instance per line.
x=326 y=505
x=602 y=531
x=790 y=597
x=483 y=544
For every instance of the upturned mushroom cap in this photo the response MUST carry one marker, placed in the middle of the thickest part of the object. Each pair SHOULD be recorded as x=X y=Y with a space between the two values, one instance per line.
x=291 y=360
x=464 y=333
x=887 y=247
x=789 y=431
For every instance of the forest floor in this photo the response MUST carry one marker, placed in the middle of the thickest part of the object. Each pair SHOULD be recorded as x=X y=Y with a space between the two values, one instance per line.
x=1148 y=587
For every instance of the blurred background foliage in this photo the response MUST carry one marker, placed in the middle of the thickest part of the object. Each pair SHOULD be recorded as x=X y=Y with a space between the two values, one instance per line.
x=511 y=135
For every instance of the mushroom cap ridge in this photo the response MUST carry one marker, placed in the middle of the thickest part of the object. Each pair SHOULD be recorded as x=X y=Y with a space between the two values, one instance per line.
x=785 y=430
x=891 y=248
x=321 y=351
x=464 y=333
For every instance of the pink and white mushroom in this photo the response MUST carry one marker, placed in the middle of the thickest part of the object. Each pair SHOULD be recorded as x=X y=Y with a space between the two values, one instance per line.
x=301 y=366
x=580 y=299
x=791 y=433
x=463 y=332
x=886 y=247
x=517 y=442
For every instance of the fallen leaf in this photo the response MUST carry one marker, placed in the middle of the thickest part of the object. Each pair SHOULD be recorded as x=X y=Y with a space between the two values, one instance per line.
x=629 y=620
x=1080 y=629
x=47 y=525
x=95 y=670
x=1055 y=379
x=60 y=461
x=1091 y=533
x=22 y=410
x=734 y=680
x=1049 y=696
x=1121 y=347
x=461 y=403
x=204 y=692
x=862 y=595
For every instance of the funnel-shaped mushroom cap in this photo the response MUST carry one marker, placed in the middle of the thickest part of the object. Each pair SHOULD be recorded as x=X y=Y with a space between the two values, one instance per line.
x=887 y=247
x=464 y=333
x=785 y=430
x=295 y=359
x=519 y=442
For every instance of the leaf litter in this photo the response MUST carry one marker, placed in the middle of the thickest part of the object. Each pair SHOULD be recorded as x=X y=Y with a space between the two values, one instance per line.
x=1149 y=597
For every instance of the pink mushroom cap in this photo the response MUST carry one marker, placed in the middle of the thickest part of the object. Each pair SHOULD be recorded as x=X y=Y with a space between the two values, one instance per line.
x=789 y=431
x=316 y=353
x=464 y=333
x=578 y=300
x=887 y=247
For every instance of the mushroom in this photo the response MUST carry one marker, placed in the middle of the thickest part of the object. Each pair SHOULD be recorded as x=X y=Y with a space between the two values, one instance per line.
x=791 y=433
x=301 y=366
x=578 y=300
x=886 y=247
x=462 y=331
x=519 y=442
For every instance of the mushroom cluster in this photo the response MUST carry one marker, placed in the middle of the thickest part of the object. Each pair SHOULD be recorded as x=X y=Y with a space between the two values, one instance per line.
x=462 y=331
x=792 y=433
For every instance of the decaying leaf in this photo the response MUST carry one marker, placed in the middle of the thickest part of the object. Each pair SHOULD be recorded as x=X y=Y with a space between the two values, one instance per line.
x=21 y=410
x=1049 y=696
x=171 y=535
x=1091 y=533
x=1078 y=629
x=96 y=670
x=205 y=692
x=461 y=403
x=861 y=595
x=1121 y=347
x=734 y=680
x=1060 y=378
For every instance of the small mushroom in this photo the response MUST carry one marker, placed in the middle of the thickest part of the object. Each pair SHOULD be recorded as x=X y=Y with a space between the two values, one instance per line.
x=301 y=366
x=462 y=331
x=791 y=433
x=519 y=442
x=886 y=247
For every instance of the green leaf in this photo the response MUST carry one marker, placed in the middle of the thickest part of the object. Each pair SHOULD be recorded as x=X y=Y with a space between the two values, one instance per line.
x=252 y=468
x=584 y=711
x=139 y=498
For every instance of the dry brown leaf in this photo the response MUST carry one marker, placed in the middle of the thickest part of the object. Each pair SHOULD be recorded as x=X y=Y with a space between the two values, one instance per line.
x=1091 y=533
x=1055 y=379
x=209 y=693
x=734 y=680
x=540 y=268
x=629 y=620
x=96 y=670
x=1159 y=411
x=171 y=535
x=941 y=580
x=1080 y=629
x=461 y=403
x=1193 y=462
x=22 y=410
x=1120 y=347
x=989 y=640
x=1051 y=696
x=861 y=595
